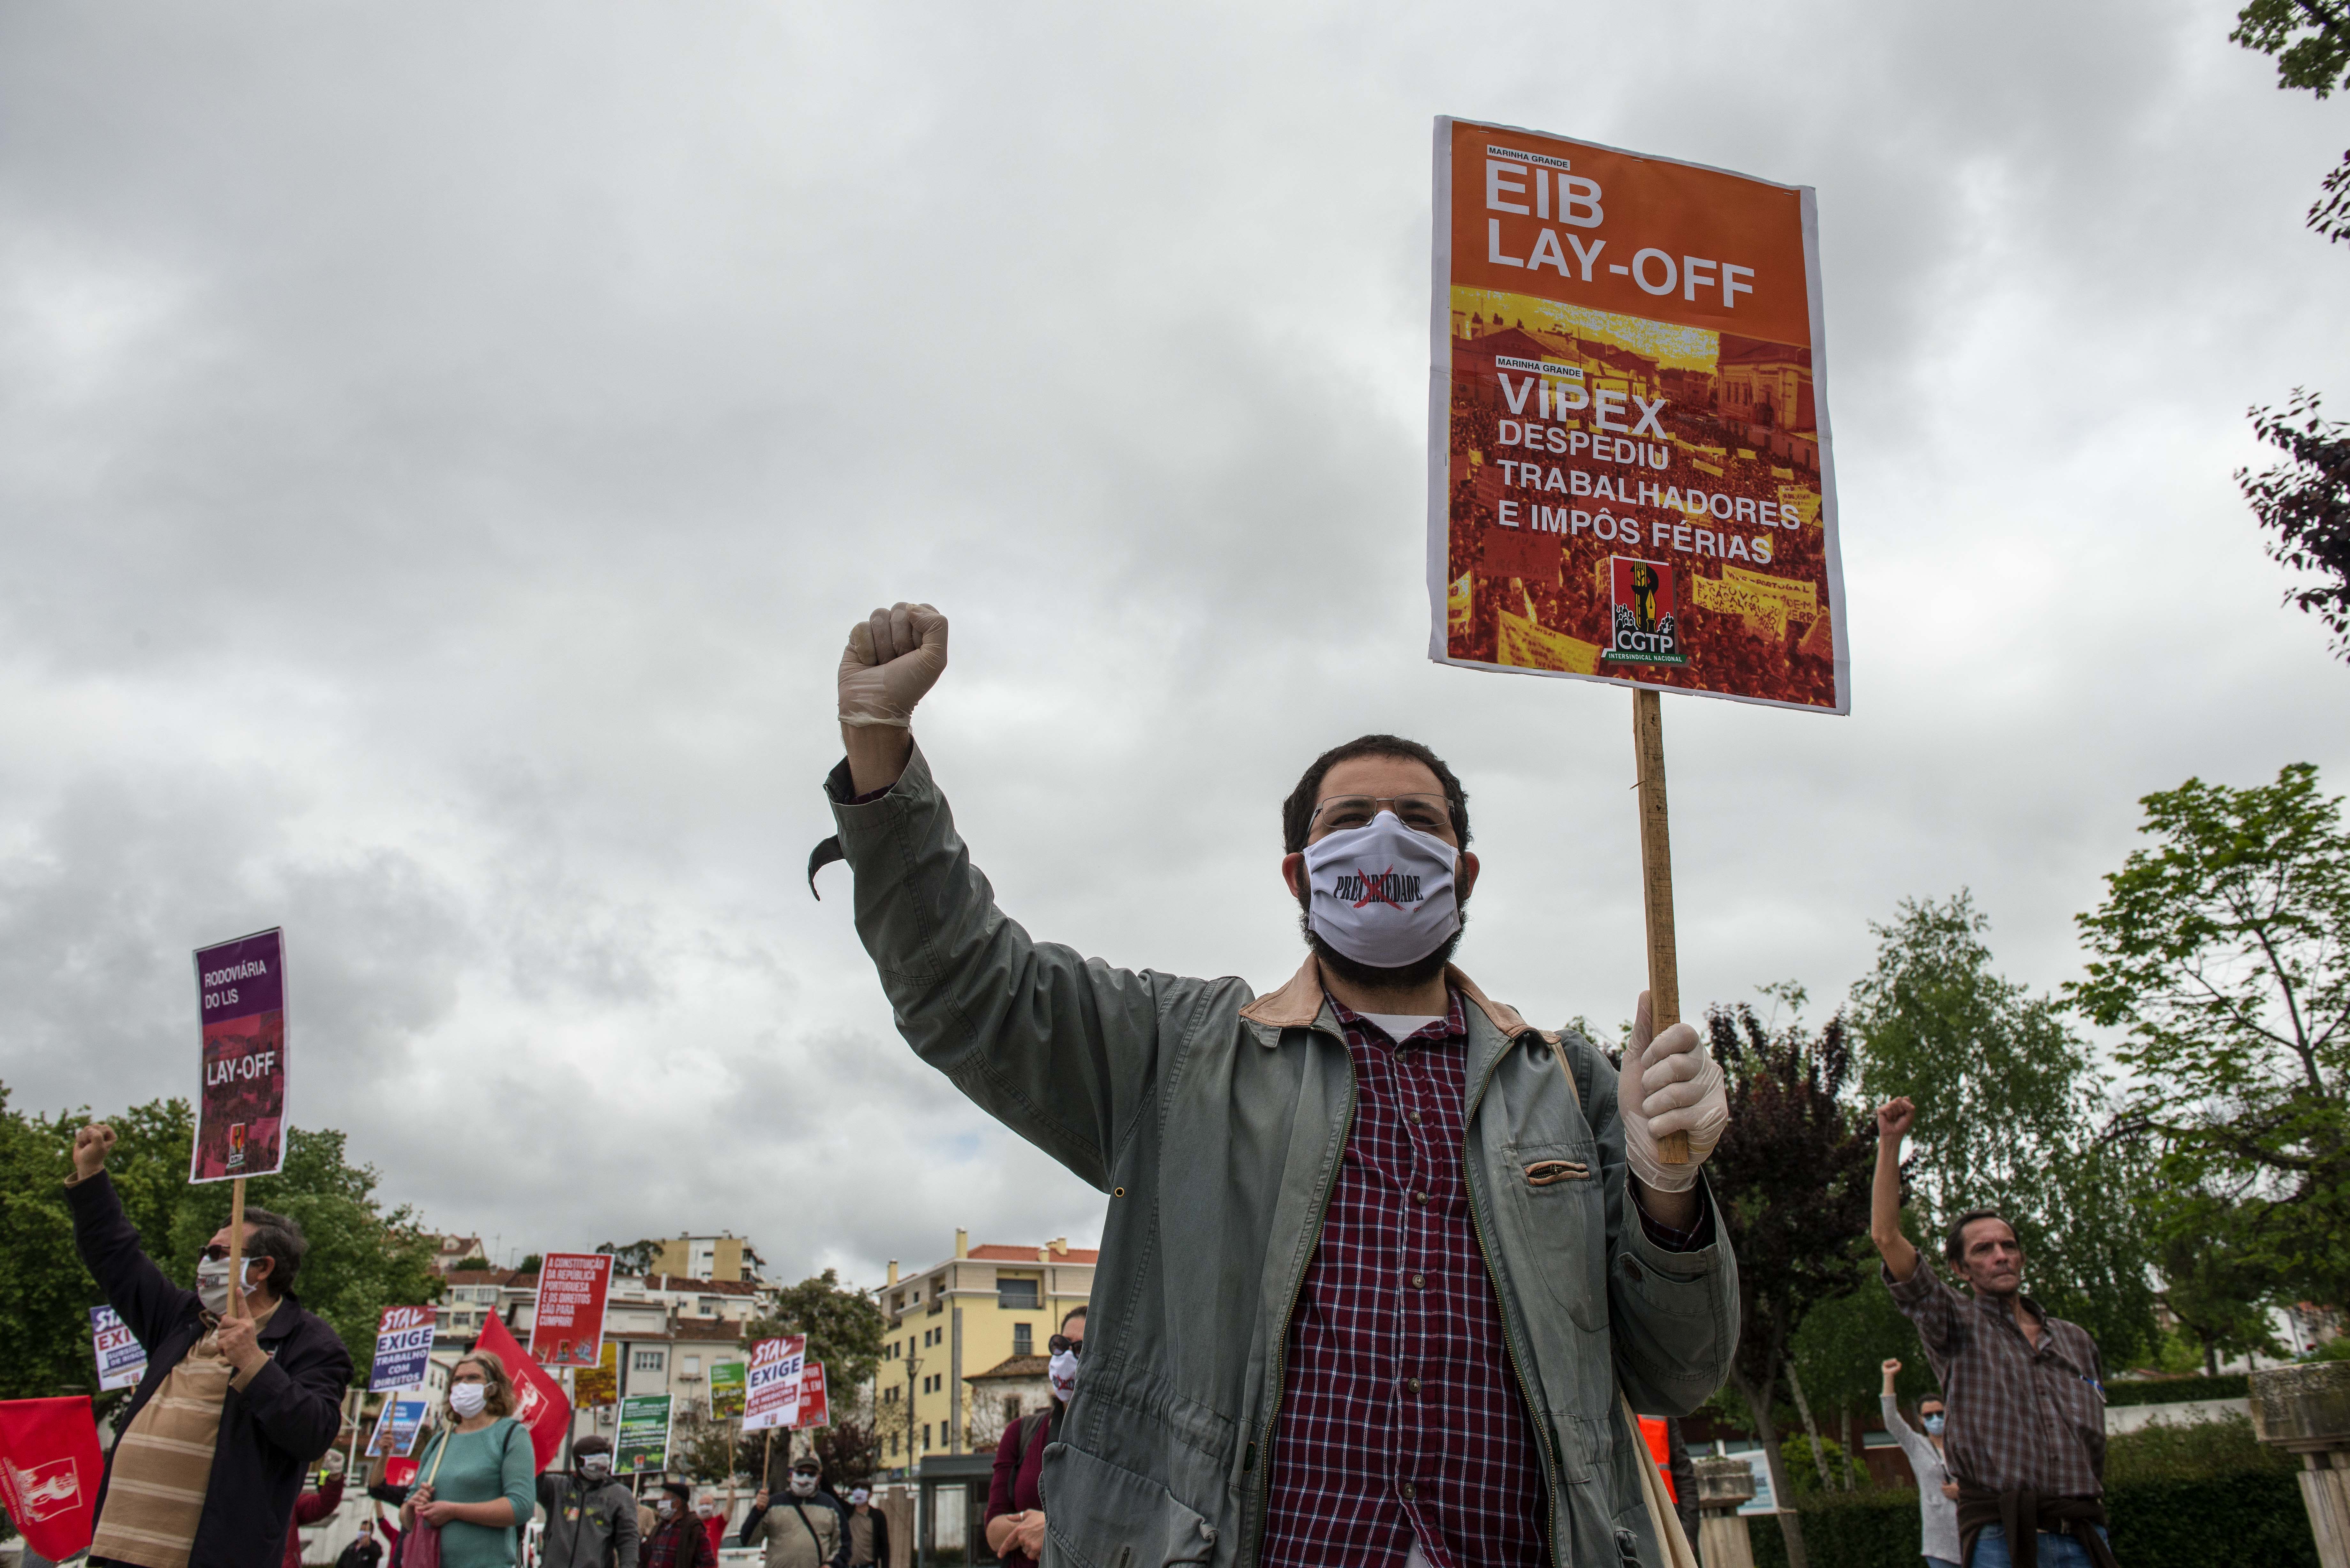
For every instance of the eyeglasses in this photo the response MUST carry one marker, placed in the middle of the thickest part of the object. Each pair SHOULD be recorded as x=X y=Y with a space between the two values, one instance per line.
x=1420 y=812
x=215 y=1253
x=1061 y=1342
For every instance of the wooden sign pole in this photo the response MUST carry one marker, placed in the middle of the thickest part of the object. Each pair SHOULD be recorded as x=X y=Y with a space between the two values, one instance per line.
x=236 y=1248
x=1657 y=885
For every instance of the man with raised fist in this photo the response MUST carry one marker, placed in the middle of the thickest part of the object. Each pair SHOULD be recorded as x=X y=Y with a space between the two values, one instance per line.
x=1383 y=1264
x=243 y=1391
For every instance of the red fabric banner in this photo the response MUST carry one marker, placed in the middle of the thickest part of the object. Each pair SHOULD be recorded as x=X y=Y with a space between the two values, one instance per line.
x=540 y=1403
x=49 y=1469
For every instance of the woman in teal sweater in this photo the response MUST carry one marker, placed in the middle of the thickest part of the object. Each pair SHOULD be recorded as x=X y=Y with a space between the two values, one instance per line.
x=481 y=1470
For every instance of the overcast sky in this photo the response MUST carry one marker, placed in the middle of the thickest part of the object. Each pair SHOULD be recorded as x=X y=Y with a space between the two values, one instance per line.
x=442 y=446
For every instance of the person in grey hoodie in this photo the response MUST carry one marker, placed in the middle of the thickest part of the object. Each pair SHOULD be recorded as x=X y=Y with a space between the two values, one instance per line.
x=591 y=1518
x=1937 y=1495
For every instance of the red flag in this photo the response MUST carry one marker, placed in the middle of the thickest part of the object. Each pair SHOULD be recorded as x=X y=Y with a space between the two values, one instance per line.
x=539 y=1401
x=50 y=1469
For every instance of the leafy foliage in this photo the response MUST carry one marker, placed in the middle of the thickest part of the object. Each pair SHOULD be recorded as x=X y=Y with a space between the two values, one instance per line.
x=2224 y=949
x=844 y=1327
x=1791 y=1175
x=361 y=1258
x=2304 y=501
x=2309 y=38
x=636 y=1258
x=2010 y=1115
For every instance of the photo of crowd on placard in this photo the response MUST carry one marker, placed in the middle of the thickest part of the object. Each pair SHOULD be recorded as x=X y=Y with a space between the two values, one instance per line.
x=1738 y=420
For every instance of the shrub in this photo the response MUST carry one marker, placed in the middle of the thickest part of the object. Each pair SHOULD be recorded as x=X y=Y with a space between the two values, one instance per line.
x=2178 y=1497
x=2177 y=1390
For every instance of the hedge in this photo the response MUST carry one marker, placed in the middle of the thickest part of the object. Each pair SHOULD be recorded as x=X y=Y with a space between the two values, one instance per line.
x=2177 y=1497
x=2178 y=1390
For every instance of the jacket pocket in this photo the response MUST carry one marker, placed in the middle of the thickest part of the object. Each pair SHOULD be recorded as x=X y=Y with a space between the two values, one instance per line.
x=1102 y=1516
x=1555 y=1192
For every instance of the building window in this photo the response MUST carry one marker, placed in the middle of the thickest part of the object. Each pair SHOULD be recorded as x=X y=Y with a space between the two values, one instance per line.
x=926 y=1434
x=1011 y=1409
x=647 y=1361
x=691 y=1365
x=1023 y=1339
x=1016 y=1295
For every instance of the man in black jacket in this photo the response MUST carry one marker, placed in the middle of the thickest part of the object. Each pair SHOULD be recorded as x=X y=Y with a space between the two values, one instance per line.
x=243 y=1389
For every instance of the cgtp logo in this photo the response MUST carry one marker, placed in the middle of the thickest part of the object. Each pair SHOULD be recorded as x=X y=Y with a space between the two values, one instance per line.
x=1644 y=614
x=44 y=1490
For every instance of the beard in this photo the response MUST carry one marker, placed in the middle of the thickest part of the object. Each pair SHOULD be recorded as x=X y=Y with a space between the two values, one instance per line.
x=1374 y=977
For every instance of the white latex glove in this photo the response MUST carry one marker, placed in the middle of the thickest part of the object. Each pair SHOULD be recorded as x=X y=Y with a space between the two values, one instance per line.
x=1668 y=1085
x=894 y=656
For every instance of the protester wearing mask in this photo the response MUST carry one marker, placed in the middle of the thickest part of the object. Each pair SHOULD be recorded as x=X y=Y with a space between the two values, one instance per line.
x=869 y=1530
x=713 y=1515
x=678 y=1539
x=242 y=1390
x=802 y=1529
x=1329 y=1204
x=474 y=1479
x=364 y=1552
x=591 y=1518
x=1015 y=1502
x=1937 y=1495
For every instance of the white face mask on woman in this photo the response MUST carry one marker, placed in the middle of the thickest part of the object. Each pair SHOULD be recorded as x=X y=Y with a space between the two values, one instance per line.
x=1382 y=893
x=468 y=1400
x=1062 y=1370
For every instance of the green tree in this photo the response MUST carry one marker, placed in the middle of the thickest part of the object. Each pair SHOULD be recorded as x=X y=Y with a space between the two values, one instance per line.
x=1791 y=1177
x=2309 y=38
x=844 y=1327
x=636 y=1258
x=2012 y=1114
x=361 y=1258
x=2224 y=948
x=2216 y=1289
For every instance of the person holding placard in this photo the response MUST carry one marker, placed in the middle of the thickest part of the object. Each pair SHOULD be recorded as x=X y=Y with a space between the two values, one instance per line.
x=802 y=1528
x=1383 y=1264
x=474 y=1480
x=242 y=1390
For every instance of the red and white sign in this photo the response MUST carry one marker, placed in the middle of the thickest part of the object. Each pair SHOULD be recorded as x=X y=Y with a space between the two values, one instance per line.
x=815 y=1409
x=567 y=1328
x=771 y=1389
x=539 y=1402
x=49 y=1467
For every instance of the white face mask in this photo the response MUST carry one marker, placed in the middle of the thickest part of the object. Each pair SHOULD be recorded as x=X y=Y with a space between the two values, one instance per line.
x=665 y=1508
x=803 y=1486
x=1382 y=894
x=857 y=1497
x=468 y=1400
x=212 y=1282
x=1062 y=1370
x=596 y=1466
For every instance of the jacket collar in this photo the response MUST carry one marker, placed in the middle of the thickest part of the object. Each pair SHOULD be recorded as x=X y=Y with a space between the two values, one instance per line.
x=1303 y=1002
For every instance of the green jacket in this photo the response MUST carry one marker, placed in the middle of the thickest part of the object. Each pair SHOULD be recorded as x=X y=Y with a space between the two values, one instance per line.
x=1215 y=1120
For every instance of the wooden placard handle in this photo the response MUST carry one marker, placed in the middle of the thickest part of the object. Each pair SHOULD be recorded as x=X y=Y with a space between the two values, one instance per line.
x=1657 y=885
x=236 y=1248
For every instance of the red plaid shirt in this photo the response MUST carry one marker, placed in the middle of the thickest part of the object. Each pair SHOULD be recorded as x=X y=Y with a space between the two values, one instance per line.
x=678 y=1542
x=1400 y=1414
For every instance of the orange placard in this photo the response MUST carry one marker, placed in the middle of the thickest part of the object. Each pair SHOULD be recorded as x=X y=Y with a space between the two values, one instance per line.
x=1630 y=476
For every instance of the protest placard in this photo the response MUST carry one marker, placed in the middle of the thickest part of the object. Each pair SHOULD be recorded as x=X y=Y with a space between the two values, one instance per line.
x=566 y=1325
x=592 y=1387
x=396 y=1426
x=403 y=1349
x=540 y=1403
x=815 y=1409
x=1627 y=411
x=772 y=1387
x=640 y=1442
x=121 y=1359
x=727 y=1388
x=241 y=1111
x=49 y=1469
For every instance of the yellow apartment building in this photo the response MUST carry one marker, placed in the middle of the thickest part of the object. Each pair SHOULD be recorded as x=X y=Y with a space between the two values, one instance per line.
x=963 y=1319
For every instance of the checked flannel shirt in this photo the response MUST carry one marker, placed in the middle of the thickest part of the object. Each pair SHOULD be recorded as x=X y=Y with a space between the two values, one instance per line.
x=679 y=1542
x=1402 y=1416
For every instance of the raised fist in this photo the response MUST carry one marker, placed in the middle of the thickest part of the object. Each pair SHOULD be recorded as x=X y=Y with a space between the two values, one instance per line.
x=893 y=657
x=90 y=1151
x=1893 y=1118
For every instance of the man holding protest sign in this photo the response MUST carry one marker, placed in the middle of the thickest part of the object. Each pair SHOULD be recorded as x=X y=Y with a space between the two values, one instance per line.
x=243 y=1389
x=1329 y=1205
